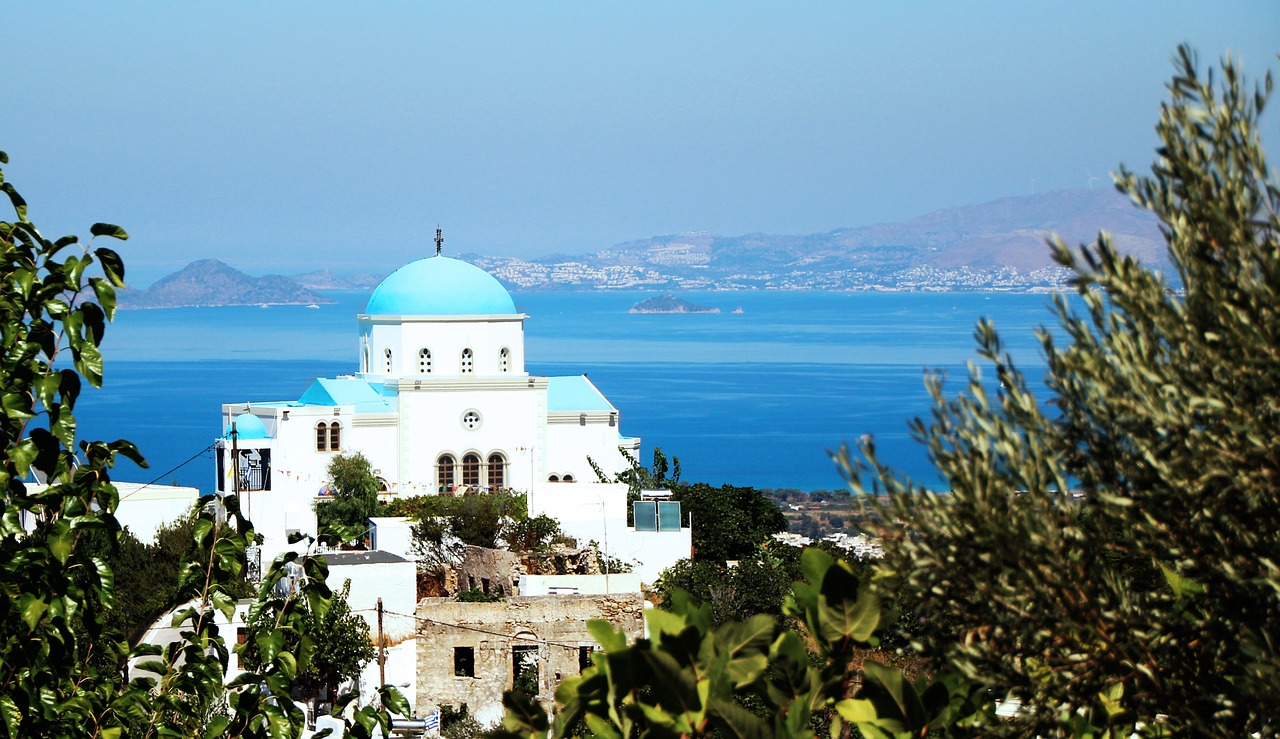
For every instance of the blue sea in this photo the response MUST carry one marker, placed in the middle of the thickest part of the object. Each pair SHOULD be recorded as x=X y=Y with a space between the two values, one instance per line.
x=751 y=398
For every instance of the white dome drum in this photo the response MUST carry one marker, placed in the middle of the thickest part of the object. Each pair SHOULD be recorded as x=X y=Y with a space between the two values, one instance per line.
x=439 y=318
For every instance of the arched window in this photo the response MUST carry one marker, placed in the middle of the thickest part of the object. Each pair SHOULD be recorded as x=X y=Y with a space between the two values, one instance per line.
x=568 y=477
x=553 y=478
x=386 y=355
x=335 y=437
x=444 y=473
x=504 y=360
x=364 y=358
x=424 y=361
x=468 y=361
x=497 y=470
x=471 y=470
x=322 y=437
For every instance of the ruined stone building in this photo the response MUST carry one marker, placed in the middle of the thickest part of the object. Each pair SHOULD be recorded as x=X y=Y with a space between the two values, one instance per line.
x=471 y=652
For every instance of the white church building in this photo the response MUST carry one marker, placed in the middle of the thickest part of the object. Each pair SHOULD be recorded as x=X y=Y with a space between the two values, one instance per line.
x=442 y=404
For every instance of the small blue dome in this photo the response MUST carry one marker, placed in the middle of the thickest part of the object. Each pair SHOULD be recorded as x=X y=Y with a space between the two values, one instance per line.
x=248 y=426
x=440 y=286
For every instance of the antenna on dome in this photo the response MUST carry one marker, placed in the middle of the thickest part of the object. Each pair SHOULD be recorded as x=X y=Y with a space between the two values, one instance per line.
x=439 y=239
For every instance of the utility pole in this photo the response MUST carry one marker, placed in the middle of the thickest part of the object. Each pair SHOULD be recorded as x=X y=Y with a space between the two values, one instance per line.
x=382 y=655
x=235 y=464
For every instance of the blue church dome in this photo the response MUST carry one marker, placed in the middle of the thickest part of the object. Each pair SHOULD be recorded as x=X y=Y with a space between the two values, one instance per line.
x=440 y=286
x=248 y=426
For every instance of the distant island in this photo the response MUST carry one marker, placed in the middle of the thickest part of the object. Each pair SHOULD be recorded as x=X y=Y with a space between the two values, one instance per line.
x=989 y=247
x=211 y=283
x=669 y=304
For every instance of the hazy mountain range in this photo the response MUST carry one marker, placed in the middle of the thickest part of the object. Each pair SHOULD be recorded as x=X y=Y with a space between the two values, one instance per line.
x=998 y=245
x=995 y=245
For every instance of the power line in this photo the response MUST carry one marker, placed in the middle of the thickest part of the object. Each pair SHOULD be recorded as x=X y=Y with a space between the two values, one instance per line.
x=189 y=460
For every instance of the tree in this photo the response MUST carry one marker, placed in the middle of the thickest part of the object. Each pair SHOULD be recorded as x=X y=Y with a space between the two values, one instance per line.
x=728 y=522
x=339 y=640
x=55 y=592
x=1112 y=557
x=1158 y=446
x=754 y=586
x=744 y=518
x=444 y=525
x=146 y=575
x=61 y=658
x=535 y=534
x=354 y=490
x=691 y=677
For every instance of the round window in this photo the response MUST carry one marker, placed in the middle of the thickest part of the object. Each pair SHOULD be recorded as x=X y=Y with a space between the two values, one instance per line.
x=471 y=420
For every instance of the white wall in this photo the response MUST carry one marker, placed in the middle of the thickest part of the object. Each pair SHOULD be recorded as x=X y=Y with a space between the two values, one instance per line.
x=446 y=337
x=598 y=512
x=570 y=444
x=162 y=634
x=401 y=671
x=394 y=582
x=144 y=509
x=623 y=582
x=393 y=534
x=431 y=424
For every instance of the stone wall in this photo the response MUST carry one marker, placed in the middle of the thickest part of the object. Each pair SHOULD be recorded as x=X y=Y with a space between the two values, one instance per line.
x=490 y=570
x=486 y=639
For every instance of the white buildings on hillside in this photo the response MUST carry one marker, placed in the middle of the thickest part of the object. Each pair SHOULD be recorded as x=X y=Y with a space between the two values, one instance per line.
x=441 y=404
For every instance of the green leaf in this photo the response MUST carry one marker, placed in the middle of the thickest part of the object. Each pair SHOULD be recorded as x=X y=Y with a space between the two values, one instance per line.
x=89 y=361
x=200 y=530
x=604 y=633
x=17 y=405
x=69 y=387
x=896 y=705
x=64 y=429
x=23 y=455
x=287 y=664
x=107 y=229
x=32 y=609
x=1182 y=587
x=106 y=295
x=60 y=540
x=19 y=205
x=736 y=721
x=524 y=715
x=270 y=642
x=94 y=320
x=394 y=700
x=46 y=389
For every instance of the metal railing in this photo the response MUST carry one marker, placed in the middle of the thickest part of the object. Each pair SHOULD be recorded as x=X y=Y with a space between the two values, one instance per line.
x=255 y=478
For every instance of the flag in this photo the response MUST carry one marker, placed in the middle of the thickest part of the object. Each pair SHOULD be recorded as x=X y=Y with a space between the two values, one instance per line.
x=433 y=721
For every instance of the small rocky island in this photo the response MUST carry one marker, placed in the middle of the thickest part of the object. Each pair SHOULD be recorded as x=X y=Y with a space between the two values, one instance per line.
x=209 y=283
x=669 y=304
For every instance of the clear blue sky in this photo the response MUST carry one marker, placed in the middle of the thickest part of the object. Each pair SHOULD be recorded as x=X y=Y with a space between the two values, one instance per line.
x=290 y=136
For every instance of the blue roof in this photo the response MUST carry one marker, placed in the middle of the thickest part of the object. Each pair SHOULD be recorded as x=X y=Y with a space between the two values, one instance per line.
x=248 y=426
x=440 y=286
x=348 y=391
x=575 y=393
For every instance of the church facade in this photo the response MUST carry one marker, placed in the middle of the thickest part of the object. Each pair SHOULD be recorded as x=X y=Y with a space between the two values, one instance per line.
x=441 y=404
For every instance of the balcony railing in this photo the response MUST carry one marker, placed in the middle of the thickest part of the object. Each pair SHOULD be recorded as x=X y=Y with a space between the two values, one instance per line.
x=255 y=478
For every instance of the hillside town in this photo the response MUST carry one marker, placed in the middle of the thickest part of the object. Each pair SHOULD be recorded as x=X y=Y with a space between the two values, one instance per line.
x=442 y=422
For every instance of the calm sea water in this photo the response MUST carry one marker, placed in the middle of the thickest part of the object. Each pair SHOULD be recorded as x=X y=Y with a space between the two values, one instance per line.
x=755 y=398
